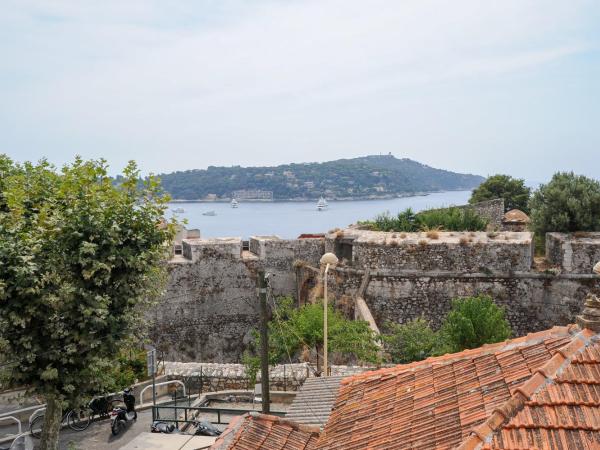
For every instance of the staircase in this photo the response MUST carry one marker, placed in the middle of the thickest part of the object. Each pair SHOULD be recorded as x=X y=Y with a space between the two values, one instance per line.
x=314 y=401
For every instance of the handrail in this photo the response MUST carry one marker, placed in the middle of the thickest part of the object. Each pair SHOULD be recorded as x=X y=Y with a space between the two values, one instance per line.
x=162 y=384
x=14 y=419
x=205 y=409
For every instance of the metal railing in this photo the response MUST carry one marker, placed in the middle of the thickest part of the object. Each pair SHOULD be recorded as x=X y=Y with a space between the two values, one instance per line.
x=179 y=382
x=190 y=413
x=13 y=419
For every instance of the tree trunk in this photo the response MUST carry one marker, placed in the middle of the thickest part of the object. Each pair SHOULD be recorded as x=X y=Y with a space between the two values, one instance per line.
x=52 y=419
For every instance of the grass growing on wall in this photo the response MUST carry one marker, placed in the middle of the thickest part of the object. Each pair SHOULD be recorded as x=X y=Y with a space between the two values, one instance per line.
x=447 y=219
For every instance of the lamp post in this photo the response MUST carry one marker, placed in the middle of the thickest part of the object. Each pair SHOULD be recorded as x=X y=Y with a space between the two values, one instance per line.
x=328 y=259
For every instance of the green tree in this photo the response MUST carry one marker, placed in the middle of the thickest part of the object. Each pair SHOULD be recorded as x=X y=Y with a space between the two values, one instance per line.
x=292 y=329
x=472 y=322
x=567 y=203
x=80 y=258
x=412 y=341
x=512 y=190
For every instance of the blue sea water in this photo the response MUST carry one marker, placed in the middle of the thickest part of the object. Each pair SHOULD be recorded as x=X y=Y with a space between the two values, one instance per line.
x=290 y=219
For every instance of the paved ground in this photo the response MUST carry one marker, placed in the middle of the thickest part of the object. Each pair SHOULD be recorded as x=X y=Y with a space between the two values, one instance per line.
x=99 y=437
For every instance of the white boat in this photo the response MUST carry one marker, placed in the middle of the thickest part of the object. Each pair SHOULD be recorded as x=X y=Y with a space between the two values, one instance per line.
x=322 y=204
x=209 y=213
x=234 y=203
x=179 y=210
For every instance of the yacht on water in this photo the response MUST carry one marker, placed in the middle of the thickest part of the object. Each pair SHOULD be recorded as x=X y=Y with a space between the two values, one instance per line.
x=234 y=203
x=322 y=204
x=179 y=210
x=209 y=213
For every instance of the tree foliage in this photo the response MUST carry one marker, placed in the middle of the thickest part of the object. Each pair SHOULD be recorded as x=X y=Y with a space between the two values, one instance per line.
x=472 y=322
x=79 y=260
x=409 y=342
x=567 y=203
x=293 y=329
x=447 y=219
x=512 y=190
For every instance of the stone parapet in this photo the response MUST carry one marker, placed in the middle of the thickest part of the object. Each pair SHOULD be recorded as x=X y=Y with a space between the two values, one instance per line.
x=573 y=252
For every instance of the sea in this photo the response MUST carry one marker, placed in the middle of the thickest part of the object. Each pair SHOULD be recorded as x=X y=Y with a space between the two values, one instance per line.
x=288 y=220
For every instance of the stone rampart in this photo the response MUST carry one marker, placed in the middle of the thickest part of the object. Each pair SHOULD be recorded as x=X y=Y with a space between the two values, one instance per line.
x=573 y=252
x=458 y=251
x=211 y=303
x=533 y=301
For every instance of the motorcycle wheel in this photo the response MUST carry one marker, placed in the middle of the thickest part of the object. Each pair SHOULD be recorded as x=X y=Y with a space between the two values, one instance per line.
x=116 y=427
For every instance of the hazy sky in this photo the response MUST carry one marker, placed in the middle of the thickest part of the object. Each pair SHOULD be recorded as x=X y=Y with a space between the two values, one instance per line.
x=476 y=86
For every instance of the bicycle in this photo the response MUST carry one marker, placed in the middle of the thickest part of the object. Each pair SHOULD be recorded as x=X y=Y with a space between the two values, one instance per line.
x=76 y=419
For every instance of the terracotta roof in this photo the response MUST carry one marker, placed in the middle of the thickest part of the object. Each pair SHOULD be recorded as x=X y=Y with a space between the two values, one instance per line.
x=515 y=216
x=254 y=431
x=558 y=407
x=437 y=403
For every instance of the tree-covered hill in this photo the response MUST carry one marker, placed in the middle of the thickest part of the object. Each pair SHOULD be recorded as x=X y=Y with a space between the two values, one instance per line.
x=365 y=177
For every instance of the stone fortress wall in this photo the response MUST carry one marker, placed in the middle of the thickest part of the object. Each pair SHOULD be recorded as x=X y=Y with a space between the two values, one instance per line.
x=211 y=303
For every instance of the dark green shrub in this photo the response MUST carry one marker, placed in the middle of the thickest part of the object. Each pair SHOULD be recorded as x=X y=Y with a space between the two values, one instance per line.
x=472 y=322
x=413 y=341
x=567 y=203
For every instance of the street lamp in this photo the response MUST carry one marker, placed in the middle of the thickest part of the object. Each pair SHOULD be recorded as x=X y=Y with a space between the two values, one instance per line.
x=328 y=259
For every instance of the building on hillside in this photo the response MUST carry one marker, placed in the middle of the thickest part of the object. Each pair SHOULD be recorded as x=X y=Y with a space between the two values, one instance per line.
x=252 y=194
x=539 y=391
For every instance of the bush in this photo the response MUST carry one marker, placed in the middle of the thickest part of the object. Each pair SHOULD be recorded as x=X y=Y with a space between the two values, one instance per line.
x=291 y=330
x=567 y=203
x=447 y=219
x=451 y=219
x=472 y=322
x=512 y=190
x=413 y=341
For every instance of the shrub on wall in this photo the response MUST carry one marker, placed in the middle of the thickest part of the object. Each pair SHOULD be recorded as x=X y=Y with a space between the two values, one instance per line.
x=472 y=322
x=446 y=219
x=409 y=342
x=512 y=190
x=567 y=203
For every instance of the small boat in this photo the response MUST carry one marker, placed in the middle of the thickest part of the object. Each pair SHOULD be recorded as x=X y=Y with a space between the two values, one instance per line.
x=209 y=213
x=179 y=210
x=234 y=203
x=322 y=204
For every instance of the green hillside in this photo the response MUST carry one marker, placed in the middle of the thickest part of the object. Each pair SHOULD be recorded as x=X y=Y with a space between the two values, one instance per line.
x=365 y=177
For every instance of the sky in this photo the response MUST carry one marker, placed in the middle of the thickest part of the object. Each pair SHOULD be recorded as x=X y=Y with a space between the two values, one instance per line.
x=481 y=87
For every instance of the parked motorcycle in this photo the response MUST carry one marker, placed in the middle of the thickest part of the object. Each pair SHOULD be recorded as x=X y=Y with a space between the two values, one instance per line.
x=120 y=416
x=205 y=428
x=159 y=426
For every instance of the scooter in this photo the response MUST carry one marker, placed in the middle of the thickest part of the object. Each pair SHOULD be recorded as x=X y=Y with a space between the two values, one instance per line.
x=203 y=428
x=120 y=416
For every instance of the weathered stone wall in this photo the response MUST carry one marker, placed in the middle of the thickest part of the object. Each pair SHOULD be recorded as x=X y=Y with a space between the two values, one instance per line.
x=533 y=301
x=210 y=305
x=458 y=251
x=491 y=210
x=218 y=377
x=277 y=256
x=573 y=252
